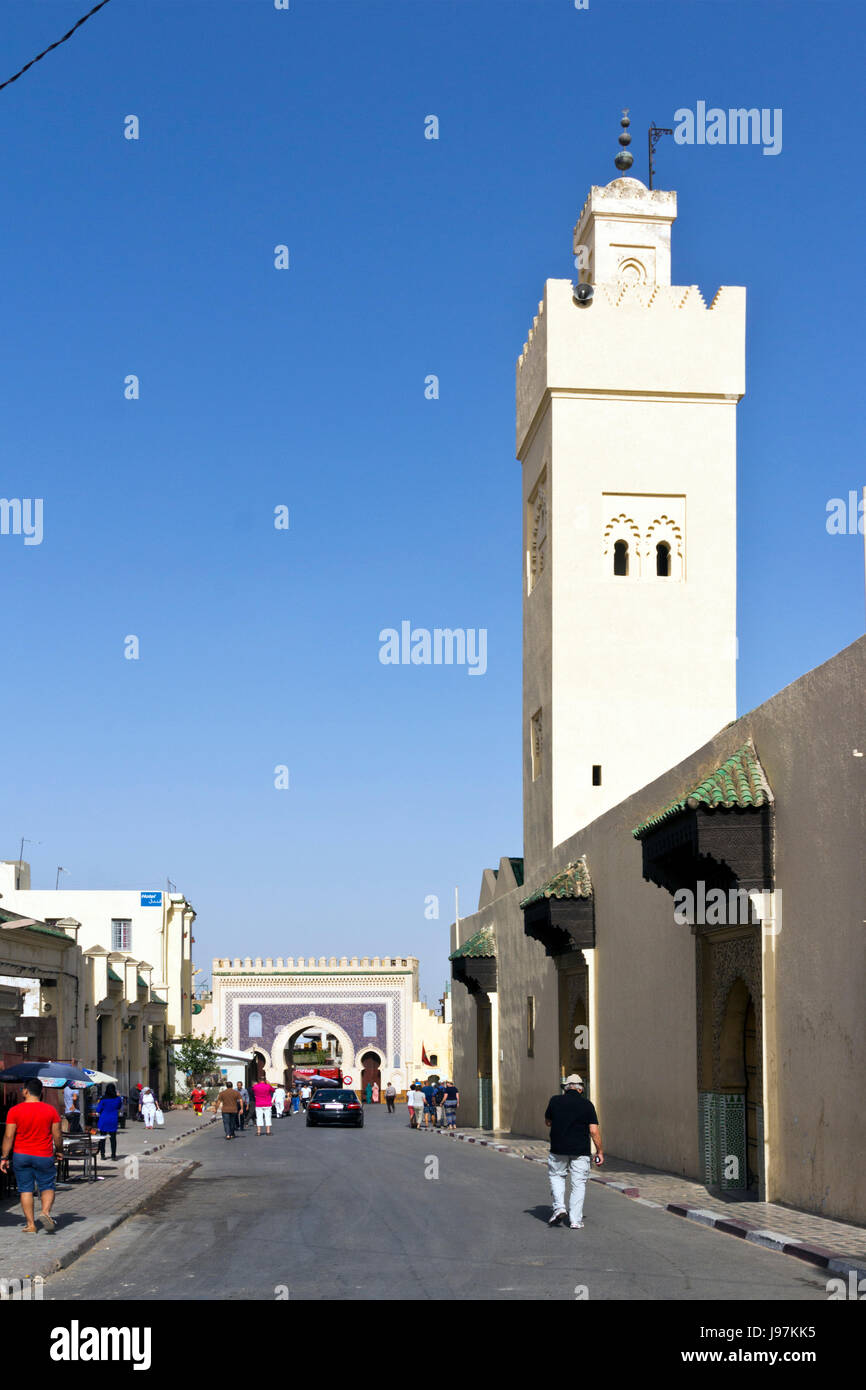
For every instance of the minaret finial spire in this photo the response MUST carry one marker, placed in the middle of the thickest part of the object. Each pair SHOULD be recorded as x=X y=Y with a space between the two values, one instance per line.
x=624 y=160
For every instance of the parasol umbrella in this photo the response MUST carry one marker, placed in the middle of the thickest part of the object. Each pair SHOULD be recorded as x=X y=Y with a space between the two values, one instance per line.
x=50 y=1073
x=99 y=1078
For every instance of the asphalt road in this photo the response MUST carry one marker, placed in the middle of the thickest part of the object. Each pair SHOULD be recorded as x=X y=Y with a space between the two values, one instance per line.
x=389 y=1212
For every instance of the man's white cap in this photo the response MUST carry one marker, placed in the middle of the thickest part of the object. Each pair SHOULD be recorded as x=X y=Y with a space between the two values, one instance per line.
x=573 y=1080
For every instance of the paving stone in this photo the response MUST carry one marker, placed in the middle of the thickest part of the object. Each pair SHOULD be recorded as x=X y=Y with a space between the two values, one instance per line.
x=85 y=1212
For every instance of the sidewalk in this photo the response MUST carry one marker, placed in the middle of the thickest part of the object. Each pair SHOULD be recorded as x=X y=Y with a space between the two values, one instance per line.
x=86 y=1212
x=832 y=1245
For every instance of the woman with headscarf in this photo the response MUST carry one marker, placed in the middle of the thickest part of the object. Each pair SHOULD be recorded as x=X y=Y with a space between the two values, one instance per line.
x=148 y=1107
x=108 y=1114
x=368 y=1092
x=375 y=1093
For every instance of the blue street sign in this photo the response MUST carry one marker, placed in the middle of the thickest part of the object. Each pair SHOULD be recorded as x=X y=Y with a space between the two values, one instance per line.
x=151 y=900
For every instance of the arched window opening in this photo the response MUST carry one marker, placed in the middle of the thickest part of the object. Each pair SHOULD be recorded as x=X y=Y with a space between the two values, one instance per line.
x=620 y=557
x=369 y=1025
x=663 y=560
x=255 y=1028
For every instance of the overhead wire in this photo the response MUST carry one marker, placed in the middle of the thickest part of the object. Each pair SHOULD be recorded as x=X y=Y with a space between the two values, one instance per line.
x=52 y=46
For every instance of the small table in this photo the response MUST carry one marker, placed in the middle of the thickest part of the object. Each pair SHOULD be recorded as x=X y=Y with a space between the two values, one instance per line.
x=79 y=1146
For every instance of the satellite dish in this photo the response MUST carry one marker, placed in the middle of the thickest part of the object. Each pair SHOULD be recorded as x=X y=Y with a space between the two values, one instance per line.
x=583 y=294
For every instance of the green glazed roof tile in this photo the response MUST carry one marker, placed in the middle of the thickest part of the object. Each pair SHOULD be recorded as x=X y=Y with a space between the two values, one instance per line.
x=112 y=975
x=13 y=917
x=483 y=943
x=740 y=782
x=571 y=882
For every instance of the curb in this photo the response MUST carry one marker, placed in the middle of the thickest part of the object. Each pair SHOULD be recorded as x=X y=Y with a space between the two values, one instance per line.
x=184 y=1133
x=817 y=1255
x=105 y=1226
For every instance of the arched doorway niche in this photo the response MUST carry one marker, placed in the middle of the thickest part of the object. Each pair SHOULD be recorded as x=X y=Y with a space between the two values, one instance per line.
x=310 y=1023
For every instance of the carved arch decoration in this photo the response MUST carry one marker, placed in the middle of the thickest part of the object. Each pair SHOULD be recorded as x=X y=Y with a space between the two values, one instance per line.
x=315 y=1022
x=537 y=556
x=623 y=528
x=664 y=529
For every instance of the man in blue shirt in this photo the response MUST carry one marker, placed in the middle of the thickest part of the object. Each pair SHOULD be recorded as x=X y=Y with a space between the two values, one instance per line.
x=429 y=1093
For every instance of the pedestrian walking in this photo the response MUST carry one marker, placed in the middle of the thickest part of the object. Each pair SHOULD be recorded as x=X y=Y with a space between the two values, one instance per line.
x=31 y=1142
x=296 y=1102
x=429 y=1094
x=390 y=1096
x=245 y=1104
x=279 y=1102
x=148 y=1107
x=368 y=1092
x=198 y=1097
x=417 y=1099
x=228 y=1101
x=108 y=1115
x=450 y=1102
x=306 y=1092
x=438 y=1101
x=71 y=1109
x=135 y=1101
x=375 y=1093
x=263 y=1093
x=572 y=1122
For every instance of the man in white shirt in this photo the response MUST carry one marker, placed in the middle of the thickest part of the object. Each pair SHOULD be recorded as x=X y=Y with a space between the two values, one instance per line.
x=70 y=1106
x=306 y=1092
x=416 y=1100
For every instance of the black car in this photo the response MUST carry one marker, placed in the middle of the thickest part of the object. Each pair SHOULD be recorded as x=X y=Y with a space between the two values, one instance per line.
x=334 y=1107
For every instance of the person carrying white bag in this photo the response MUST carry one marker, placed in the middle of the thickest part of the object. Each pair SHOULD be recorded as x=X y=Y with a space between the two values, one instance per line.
x=149 y=1109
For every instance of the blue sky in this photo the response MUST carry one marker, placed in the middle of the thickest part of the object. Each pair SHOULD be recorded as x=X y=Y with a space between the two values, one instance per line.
x=305 y=387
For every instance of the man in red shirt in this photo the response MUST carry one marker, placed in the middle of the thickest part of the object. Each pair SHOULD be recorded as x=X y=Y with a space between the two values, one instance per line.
x=33 y=1139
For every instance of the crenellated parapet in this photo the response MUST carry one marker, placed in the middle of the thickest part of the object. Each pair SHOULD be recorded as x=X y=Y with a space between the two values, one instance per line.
x=676 y=345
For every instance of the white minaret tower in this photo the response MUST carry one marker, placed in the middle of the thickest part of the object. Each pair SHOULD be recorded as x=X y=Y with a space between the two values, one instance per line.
x=626 y=431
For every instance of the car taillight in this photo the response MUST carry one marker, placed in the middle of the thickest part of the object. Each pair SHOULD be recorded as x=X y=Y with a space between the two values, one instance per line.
x=315 y=1105
x=353 y=1105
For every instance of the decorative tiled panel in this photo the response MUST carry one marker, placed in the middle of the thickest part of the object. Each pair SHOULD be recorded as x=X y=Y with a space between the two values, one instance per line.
x=722 y=1131
x=485 y=1102
x=732 y=1142
x=709 y=1137
x=345 y=1007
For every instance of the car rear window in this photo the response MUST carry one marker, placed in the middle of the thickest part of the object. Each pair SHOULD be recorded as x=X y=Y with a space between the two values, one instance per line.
x=335 y=1095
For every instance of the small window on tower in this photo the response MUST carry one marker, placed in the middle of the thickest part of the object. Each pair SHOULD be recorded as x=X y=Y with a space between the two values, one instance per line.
x=620 y=557
x=596 y=774
x=663 y=560
x=535 y=744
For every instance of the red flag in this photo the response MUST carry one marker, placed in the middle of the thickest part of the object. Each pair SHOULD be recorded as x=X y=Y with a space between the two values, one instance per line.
x=424 y=1058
